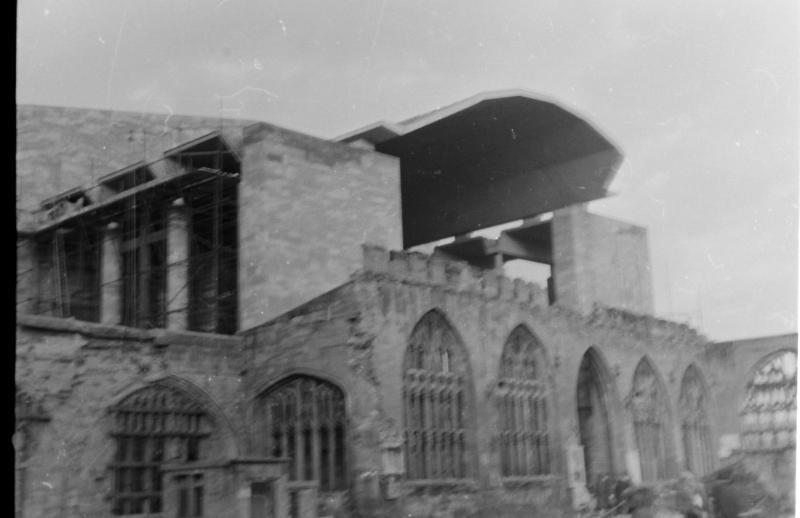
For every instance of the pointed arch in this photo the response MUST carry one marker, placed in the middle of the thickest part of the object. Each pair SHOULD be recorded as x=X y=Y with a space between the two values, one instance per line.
x=594 y=396
x=156 y=424
x=437 y=402
x=303 y=418
x=695 y=430
x=649 y=406
x=522 y=393
x=769 y=412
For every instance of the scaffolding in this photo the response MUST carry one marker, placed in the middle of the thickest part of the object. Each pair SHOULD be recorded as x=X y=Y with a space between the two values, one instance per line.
x=69 y=244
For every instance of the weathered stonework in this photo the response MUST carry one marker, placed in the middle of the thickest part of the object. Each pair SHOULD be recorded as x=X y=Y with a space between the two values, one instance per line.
x=315 y=302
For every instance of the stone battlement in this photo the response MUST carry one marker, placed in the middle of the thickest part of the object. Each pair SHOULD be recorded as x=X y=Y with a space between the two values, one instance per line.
x=419 y=268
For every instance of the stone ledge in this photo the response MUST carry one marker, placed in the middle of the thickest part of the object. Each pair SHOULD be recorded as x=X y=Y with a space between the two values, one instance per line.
x=165 y=337
x=161 y=337
x=71 y=325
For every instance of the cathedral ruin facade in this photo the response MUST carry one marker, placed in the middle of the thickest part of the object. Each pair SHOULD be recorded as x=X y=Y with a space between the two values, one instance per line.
x=226 y=318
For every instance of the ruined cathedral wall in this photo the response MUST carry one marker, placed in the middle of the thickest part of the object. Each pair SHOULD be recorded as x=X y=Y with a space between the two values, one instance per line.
x=77 y=371
x=397 y=289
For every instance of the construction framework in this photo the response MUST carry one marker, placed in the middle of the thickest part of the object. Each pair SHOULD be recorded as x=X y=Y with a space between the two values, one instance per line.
x=116 y=236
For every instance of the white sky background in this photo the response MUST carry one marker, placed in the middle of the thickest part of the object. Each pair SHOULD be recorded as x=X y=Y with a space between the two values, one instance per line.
x=702 y=97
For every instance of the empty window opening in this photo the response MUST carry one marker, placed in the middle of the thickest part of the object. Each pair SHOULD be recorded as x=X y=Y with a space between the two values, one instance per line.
x=69 y=258
x=303 y=419
x=649 y=407
x=213 y=255
x=523 y=406
x=593 y=419
x=69 y=254
x=144 y=261
x=436 y=413
x=695 y=433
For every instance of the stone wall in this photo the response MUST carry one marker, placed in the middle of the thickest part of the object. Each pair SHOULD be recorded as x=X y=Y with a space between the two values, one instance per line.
x=731 y=365
x=59 y=148
x=306 y=205
x=371 y=320
x=78 y=370
x=599 y=260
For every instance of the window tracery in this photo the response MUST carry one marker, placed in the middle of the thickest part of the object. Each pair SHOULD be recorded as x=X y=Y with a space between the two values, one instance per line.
x=648 y=406
x=304 y=419
x=522 y=402
x=435 y=402
x=155 y=425
x=695 y=431
x=770 y=409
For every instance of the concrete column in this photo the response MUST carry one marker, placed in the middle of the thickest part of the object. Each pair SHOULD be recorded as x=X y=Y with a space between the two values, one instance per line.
x=111 y=276
x=177 y=266
x=26 y=275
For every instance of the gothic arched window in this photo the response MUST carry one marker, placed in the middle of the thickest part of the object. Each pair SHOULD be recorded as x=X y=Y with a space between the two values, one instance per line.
x=522 y=401
x=304 y=419
x=770 y=408
x=436 y=402
x=695 y=432
x=648 y=404
x=154 y=425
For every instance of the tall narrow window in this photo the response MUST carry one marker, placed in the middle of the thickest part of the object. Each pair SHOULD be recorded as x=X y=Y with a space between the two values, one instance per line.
x=770 y=409
x=304 y=419
x=695 y=433
x=144 y=261
x=594 y=425
x=649 y=407
x=436 y=408
x=155 y=425
x=522 y=402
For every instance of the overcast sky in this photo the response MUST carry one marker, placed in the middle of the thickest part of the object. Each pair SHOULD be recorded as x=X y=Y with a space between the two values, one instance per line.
x=702 y=97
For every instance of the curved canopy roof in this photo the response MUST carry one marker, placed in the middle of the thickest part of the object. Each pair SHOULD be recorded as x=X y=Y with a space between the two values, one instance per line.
x=490 y=159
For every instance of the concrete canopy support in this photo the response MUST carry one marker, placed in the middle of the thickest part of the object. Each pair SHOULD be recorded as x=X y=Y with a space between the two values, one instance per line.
x=111 y=276
x=26 y=275
x=177 y=266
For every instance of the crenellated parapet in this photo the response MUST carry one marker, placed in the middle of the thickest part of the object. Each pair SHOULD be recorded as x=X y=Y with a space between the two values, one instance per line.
x=454 y=276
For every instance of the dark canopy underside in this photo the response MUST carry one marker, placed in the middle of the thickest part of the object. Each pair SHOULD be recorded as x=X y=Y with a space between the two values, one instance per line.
x=490 y=160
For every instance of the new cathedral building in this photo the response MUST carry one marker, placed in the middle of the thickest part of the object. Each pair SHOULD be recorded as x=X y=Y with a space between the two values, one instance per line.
x=224 y=318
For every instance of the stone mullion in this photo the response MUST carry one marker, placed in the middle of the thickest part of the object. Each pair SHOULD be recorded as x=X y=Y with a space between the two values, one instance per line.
x=315 y=435
x=411 y=435
x=519 y=434
x=436 y=446
x=503 y=403
x=453 y=429
x=286 y=427
x=535 y=457
x=544 y=429
x=429 y=427
x=265 y=440
x=408 y=413
x=526 y=452
x=299 y=443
